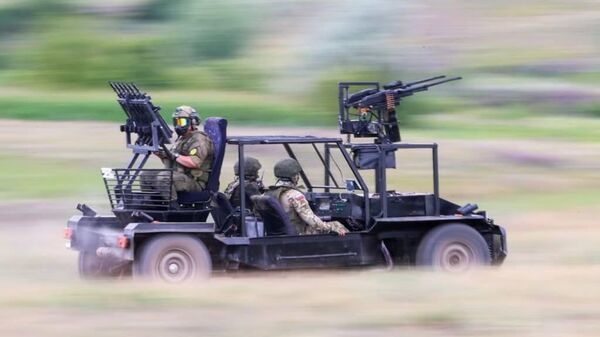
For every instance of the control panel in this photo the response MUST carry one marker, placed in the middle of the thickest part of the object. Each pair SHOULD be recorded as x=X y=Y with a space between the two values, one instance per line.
x=334 y=206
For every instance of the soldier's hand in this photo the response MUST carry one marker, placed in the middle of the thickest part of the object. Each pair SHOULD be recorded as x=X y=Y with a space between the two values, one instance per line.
x=169 y=154
x=339 y=228
x=342 y=231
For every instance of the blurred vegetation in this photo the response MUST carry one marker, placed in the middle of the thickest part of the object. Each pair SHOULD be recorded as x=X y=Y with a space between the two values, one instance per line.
x=293 y=54
x=236 y=107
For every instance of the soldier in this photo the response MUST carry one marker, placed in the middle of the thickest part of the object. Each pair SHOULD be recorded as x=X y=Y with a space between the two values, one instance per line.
x=253 y=184
x=294 y=203
x=191 y=156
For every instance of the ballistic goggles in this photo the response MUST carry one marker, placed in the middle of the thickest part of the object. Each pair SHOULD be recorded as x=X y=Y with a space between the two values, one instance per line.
x=181 y=121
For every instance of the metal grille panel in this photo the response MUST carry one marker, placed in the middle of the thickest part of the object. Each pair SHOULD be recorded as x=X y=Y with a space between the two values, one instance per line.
x=138 y=189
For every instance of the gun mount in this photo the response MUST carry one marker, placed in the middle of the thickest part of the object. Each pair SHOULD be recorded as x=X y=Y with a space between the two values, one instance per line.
x=144 y=120
x=371 y=112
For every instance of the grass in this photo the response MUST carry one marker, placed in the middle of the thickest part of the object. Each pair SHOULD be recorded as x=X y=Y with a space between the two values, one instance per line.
x=23 y=178
x=500 y=126
x=366 y=303
x=548 y=286
x=528 y=201
x=458 y=120
x=236 y=107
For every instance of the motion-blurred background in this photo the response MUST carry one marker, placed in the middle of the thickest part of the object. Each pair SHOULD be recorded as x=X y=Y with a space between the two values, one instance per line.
x=520 y=136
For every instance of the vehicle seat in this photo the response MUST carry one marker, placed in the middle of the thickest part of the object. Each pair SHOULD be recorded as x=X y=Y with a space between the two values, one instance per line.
x=216 y=129
x=276 y=221
x=223 y=214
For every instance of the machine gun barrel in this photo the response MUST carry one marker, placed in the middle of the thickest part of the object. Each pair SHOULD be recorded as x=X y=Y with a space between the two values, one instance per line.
x=423 y=87
x=400 y=84
x=379 y=99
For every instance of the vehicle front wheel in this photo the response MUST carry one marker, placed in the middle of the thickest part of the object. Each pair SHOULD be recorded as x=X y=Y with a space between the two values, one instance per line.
x=453 y=247
x=173 y=259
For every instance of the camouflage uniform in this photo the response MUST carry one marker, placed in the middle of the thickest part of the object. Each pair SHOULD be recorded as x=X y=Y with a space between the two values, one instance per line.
x=200 y=148
x=252 y=187
x=298 y=210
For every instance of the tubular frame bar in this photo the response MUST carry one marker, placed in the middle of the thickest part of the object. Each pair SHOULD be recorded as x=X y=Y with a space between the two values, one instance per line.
x=362 y=183
x=241 y=171
x=434 y=159
x=327 y=170
x=292 y=155
x=436 y=179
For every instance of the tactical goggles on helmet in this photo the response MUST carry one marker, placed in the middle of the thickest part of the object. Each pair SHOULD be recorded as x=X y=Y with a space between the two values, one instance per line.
x=181 y=121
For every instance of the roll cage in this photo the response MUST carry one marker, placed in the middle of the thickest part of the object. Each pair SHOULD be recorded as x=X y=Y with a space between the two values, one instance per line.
x=379 y=152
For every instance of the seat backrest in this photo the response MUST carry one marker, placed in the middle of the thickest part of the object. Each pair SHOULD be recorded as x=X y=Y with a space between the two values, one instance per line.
x=274 y=217
x=223 y=212
x=216 y=129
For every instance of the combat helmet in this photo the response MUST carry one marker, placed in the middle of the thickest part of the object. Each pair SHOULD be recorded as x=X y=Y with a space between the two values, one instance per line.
x=287 y=168
x=251 y=167
x=183 y=117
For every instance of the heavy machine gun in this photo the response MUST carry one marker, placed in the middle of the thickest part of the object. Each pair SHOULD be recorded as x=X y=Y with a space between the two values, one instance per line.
x=375 y=107
x=144 y=120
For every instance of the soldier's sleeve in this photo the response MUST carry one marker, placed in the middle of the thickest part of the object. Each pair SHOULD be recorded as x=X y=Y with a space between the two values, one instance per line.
x=315 y=224
x=229 y=189
x=199 y=152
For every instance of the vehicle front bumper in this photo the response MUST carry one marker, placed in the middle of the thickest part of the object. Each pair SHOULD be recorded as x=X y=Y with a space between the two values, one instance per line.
x=498 y=248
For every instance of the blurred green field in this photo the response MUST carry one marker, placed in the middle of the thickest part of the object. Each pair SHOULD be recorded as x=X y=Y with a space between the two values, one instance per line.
x=102 y=106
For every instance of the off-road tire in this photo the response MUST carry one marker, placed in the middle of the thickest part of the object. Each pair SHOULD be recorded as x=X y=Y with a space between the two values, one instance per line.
x=453 y=247
x=172 y=258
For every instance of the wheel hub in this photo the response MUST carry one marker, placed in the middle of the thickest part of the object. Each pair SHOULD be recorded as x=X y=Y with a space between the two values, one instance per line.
x=176 y=266
x=173 y=268
x=456 y=257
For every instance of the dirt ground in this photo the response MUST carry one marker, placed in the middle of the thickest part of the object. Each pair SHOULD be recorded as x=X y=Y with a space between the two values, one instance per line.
x=545 y=193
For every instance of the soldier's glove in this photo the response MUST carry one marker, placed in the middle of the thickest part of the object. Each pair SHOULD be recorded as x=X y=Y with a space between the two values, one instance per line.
x=170 y=154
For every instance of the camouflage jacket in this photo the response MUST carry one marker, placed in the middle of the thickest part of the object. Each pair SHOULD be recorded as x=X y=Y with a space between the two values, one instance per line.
x=200 y=148
x=298 y=210
x=252 y=187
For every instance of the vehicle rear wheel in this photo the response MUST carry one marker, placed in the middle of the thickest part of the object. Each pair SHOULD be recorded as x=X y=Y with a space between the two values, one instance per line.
x=92 y=266
x=454 y=248
x=173 y=259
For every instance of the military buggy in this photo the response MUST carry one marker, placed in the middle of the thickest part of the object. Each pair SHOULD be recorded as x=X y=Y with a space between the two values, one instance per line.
x=173 y=240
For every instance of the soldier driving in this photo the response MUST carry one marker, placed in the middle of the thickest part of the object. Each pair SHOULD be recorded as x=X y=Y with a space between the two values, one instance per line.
x=253 y=184
x=191 y=156
x=295 y=204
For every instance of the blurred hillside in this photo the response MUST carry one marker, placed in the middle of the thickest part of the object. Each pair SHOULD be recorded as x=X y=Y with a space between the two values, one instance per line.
x=253 y=61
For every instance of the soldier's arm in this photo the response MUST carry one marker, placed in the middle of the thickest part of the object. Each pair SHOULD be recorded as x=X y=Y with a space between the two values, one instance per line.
x=196 y=156
x=301 y=206
x=187 y=161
